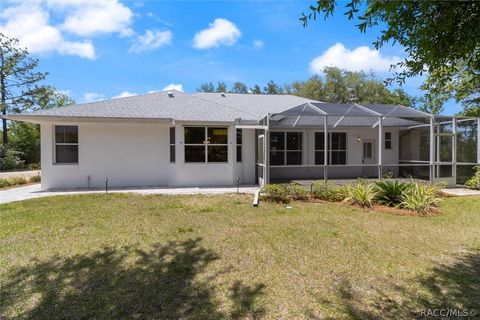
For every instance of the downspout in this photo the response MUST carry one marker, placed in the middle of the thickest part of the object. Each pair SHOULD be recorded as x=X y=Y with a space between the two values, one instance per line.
x=267 y=151
x=478 y=141
x=325 y=149
x=380 y=147
x=432 y=148
x=454 y=151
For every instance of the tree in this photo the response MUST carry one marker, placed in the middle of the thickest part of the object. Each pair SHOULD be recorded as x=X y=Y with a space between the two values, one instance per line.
x=25 y=137
x=272 y=88
x=440 y=37
x=342 y=86
x=206 y=87
x=256 y=89
x=239 y=87
x=18 y=79
x=221 y=87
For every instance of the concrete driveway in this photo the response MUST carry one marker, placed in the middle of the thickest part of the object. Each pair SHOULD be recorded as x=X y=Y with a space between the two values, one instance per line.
x=34 y=191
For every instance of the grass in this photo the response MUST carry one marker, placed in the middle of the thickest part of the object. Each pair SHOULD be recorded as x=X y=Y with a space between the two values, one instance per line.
x=125 y=256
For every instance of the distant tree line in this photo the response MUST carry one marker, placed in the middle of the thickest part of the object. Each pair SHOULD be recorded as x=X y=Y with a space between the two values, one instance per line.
x=335 y=85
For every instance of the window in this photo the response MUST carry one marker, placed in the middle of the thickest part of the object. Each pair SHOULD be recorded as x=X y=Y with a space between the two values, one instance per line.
x=285 y=148
x=338 y=148
x=66 y=144
x=172 y=144
x=388 y=140
x=319 y=148
x=239 y=145
x=206 y=144
x=337 y=153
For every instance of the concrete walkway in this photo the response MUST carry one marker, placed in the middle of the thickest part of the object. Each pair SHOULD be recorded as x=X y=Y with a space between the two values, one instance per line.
x=34 y=191
x=460 y=192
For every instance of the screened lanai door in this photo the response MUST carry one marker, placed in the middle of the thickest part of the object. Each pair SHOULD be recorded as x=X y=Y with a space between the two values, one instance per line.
x=445 y=156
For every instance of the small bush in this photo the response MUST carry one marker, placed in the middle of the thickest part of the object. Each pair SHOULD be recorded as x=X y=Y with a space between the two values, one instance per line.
x=389 y=192
x=420 y=197
x=35 y=178
x=474 y=182
x=297 y=192
x=328 y=191
x=284 y=193
x=33 y=166
x=10 y=182
x=276 y=193
x=10 y=159
x=388 y=175
x=361 y=193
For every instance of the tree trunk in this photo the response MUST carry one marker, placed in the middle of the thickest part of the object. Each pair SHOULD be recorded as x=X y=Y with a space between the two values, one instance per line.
x=3 y=98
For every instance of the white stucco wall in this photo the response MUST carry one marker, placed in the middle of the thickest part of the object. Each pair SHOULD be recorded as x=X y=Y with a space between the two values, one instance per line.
x=354 y=156
x=137 y=154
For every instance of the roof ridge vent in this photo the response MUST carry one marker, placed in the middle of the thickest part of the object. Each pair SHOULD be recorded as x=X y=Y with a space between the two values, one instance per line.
x=170 y=94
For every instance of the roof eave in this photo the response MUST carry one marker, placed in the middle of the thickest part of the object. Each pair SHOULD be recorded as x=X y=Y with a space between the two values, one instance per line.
x=38 y=119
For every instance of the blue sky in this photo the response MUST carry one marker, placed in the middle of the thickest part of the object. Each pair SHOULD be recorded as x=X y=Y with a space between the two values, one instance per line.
x=97 y=50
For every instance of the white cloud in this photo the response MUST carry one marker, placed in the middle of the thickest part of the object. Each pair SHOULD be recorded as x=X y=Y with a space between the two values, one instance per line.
x=91 y=17
x=125 y=94
x=358 y=59
x=220 y=32
x=29 y=23
x=173 y=86
x=151 y=40
x=83 y=49
x=92 y=96
x=258 y=44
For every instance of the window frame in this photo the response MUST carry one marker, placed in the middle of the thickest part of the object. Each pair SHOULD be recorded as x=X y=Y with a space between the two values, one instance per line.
x=55 y=143
x=205 y=144
x=172 y=145
x=239 y=146
x=330 y=149
x=285 y=149
x=390 y=140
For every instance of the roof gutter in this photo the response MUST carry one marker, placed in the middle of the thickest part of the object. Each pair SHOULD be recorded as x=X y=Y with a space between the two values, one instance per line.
x=41 y=119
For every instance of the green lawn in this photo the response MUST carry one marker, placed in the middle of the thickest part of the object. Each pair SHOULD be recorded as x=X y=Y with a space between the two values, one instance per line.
x=194 y=257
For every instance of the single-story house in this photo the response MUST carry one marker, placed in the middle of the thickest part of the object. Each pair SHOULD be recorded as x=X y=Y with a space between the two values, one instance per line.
x=175 y=139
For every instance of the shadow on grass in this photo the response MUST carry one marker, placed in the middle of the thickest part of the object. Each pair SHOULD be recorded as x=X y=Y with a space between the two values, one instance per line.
x=454 y=286
x=167 y=282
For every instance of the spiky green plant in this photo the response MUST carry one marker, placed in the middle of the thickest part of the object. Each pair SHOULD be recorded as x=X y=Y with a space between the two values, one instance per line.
x=420 y=197
x=361 y=193
x=389 y=192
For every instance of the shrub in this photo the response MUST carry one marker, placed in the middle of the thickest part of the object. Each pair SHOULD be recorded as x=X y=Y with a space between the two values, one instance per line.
x=388 y=175
x=10 y=159
x=283 y=193
x=297 y=192
x=328 y=191
x=361 y=193
x=474 y=182
x=35 y=178
x=10 y=182
x=420 y=197
x=389 y=192
x=276 y=193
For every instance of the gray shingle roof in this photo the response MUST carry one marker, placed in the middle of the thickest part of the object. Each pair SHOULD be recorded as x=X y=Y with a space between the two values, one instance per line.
x=256 y=104
x=225 y=107
x=149 y=106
